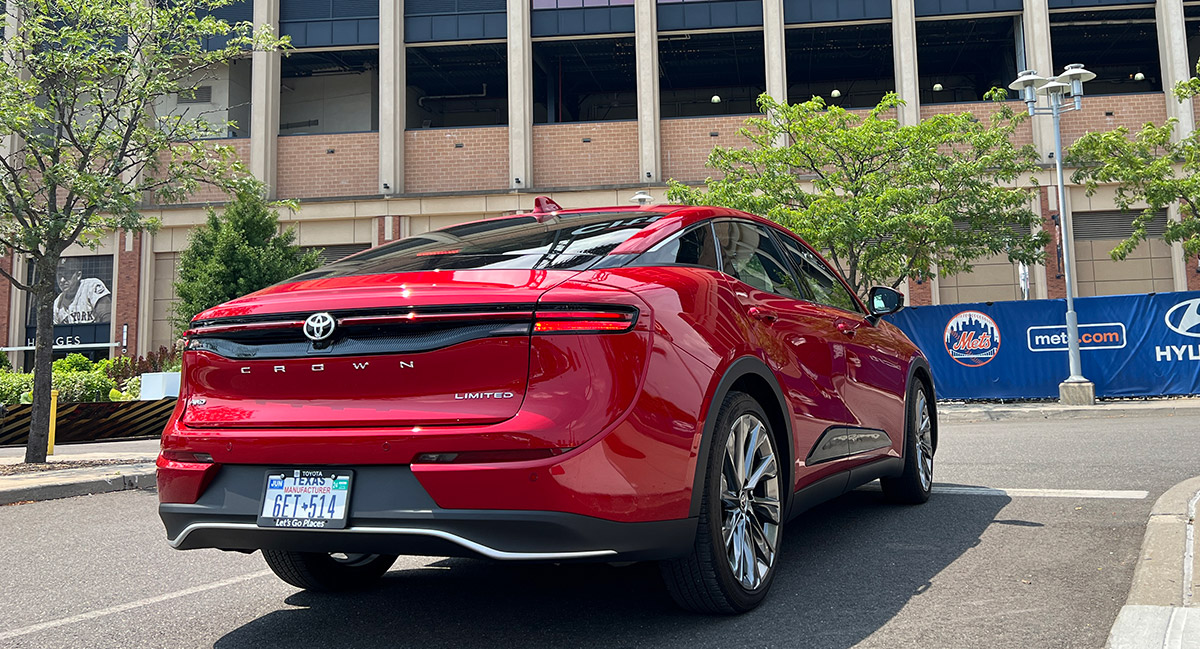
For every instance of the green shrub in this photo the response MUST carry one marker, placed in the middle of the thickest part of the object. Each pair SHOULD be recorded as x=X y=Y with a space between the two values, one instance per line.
x=80 y=387
x=133 y=390
x=73 y=363
x=12 y=385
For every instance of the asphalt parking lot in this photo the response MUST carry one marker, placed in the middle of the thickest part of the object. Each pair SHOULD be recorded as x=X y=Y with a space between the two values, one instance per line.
x=1047 y=564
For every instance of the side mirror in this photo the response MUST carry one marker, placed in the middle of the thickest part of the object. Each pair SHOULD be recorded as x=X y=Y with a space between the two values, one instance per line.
x=883 y=300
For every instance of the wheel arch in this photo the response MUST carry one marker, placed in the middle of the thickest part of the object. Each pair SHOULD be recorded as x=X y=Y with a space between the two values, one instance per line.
x=919 y=371
x=750 y=375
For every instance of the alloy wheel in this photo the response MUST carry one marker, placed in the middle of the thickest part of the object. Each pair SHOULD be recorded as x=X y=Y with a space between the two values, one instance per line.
x=924 y=441
x=750 y=504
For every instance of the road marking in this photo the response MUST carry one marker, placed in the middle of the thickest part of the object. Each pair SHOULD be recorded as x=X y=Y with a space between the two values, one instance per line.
x=121 y=608
x=957 y=490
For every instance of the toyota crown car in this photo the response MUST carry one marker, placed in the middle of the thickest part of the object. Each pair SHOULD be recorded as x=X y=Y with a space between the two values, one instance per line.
x=659 y=383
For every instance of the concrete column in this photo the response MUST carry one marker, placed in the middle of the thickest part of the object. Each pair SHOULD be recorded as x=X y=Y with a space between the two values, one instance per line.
x=774 y=35
x=1039 y=56
x=1176 y=67
x=264 y=100
x=520 y=96
x=904 y=48
x=392 y=100
x=145 y=329
x=648 y=102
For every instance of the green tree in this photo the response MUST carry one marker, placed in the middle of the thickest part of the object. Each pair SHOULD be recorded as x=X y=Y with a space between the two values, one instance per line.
x=883 y=201
x=239 y=251
x=1150 y=168
x=82 y=147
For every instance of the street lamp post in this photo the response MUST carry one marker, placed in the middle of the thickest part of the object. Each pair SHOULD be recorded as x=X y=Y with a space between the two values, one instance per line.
x=1076 y=390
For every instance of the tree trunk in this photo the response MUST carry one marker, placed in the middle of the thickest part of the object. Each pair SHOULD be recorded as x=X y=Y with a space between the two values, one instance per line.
x=42 y=297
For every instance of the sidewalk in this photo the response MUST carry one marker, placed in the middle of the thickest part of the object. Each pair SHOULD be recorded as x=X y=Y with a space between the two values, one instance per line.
x=1162 y=610
x=135 y=471
x=1167 y=407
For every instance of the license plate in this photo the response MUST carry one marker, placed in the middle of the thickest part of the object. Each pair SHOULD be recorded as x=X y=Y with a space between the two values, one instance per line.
x=306 y=499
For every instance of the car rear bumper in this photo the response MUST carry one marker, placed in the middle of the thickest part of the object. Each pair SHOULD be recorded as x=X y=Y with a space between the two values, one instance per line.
x=390 y=512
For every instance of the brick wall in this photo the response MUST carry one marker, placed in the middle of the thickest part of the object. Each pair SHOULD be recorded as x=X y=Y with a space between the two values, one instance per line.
x=562 y=157
x=984 y=110
x=687 y=141
x=920 y=293
x=1056 y=283
x=1193 y=277
x=1106 y=112
x=129 y=284
x=209 y=193
x=434 y=161
x=337 y=164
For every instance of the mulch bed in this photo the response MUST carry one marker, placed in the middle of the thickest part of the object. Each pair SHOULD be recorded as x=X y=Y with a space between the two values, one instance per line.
x=18 y=469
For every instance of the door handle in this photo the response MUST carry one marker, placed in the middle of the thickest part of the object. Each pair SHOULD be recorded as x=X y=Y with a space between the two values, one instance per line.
x=846 y=328
x=762 y=314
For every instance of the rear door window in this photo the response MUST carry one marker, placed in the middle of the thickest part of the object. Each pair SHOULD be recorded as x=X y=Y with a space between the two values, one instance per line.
x=749 y=253
x=820 y=282
x=692 y=247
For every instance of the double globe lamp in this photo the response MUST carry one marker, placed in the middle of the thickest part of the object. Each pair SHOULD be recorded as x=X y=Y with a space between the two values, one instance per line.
x=1063 y=93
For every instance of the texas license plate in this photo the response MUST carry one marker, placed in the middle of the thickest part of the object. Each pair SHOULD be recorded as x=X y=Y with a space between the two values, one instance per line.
x=306 y=499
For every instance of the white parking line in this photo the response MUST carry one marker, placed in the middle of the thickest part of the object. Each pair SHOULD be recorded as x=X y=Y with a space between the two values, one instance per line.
x=121 y=608
x=957 y=490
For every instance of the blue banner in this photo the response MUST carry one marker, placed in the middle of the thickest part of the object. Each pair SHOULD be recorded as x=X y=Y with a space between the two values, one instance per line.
x=1130 y=345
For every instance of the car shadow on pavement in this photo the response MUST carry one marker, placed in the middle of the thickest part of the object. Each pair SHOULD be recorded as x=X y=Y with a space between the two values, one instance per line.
x=848 y=567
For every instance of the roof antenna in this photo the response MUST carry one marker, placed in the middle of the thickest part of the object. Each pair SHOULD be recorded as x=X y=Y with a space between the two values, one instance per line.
x=642 y=198
x=545 y=205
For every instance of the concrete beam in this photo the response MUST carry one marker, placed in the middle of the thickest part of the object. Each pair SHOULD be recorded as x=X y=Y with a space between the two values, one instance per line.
x=264 y=100
x=392 y=100
x=1035 y=21
x=774 y=36
x=520 y=96
x=904 y=48
x=648 y=99
x=1176 y=67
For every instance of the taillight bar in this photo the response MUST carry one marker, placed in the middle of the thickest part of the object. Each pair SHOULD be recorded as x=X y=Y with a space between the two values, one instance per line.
x=206 y=330
x=577 y=321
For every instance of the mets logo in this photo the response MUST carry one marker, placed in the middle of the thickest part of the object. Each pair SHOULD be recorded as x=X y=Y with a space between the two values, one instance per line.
x=972 y=338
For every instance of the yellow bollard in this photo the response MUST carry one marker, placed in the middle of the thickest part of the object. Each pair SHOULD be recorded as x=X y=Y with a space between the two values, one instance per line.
x=53 y=420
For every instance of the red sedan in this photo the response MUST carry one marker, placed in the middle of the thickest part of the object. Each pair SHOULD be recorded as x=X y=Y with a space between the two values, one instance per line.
x=618 y=384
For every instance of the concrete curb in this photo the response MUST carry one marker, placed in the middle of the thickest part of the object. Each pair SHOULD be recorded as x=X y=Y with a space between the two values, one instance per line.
x=953 y=413
x=65 y=483
x=1160 y=609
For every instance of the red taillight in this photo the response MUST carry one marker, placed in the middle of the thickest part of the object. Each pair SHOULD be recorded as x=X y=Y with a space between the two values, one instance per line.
x=187 y=457
x=483 y=457
x=577 y=321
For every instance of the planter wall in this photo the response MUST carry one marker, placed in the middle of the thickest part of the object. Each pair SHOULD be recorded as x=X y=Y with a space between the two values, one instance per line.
x=89 y=422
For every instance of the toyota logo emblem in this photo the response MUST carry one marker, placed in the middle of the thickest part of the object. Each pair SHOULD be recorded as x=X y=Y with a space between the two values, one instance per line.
x=319 y=326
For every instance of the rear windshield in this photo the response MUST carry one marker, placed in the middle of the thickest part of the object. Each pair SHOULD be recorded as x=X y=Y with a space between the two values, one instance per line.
x=566 y=242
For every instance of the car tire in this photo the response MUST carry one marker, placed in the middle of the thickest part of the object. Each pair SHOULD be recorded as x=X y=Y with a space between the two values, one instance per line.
x=913 y=486
x=716 y=578
x=326 y=572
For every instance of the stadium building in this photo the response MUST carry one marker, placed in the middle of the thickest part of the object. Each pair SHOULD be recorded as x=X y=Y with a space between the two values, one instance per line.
x=393 y=118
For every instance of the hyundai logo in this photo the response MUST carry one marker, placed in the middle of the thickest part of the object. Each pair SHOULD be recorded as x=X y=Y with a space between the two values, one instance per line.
x=1184 y=318
x=319 y=326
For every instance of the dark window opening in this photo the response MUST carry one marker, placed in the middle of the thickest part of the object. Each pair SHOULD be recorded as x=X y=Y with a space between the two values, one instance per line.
x=457 y=85
x=1120 y=46
x=329 y=92
x=961 y=60
x=1192 y=19
x=584 y=80
x=848 y=66
x=711 y=74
